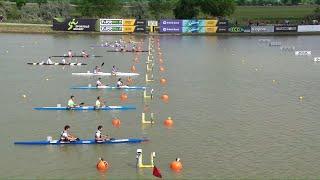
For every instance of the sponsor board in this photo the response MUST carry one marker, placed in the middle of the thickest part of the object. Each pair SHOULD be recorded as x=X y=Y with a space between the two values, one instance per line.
x=222 y=29
x=238 y=29
x=152 y=23
x=199 y=29
x=289 y=28
x=223 y=23
x=194 y=23
x=123 y=22
x=170 y=29
x=74 y=24
x=125 y=29
x=170 y=22
x=262 y=29
x=308 y=28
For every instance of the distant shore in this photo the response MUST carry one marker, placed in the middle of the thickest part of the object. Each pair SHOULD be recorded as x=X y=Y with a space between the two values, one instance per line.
x=47 y=29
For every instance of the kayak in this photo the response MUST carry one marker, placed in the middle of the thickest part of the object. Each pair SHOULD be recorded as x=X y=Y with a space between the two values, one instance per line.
x=84 y=108
x=55 y=64
x=127 y=51
x=90 y=141
x=78 y=56
x=109 y=87
x=105 y=74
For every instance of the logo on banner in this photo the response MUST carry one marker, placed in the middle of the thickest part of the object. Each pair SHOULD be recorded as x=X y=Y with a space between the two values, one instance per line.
x=236 y=29
x=72 y=24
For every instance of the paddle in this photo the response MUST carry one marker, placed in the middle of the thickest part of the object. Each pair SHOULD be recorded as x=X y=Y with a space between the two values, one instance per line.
x=102 y=64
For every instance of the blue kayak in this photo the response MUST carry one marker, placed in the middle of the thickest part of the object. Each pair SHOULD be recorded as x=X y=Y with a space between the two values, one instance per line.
x=85 y=108
x=110 y=87
x=91 y=141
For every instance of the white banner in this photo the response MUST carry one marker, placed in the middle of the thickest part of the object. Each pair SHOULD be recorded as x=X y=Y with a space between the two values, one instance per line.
x=309 y=28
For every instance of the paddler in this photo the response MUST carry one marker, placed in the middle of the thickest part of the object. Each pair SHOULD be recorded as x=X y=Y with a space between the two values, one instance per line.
x=63 y=60
x=49 y=61
x=99 y=83
x=96 y=70
x=119 y=83
x=84 y=54
x=114 y=70
x=70 y=53
x=71 y=103
x=134 y=47
x=99 y=137
x=99 y=103
x=66 y=136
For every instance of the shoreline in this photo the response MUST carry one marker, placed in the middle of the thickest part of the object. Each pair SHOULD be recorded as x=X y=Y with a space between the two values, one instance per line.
x=47 y=29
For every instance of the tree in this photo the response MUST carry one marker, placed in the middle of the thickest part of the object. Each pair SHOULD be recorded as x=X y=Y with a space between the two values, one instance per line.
x=241 y=2
x=137 y=9
x=218 y=7
x=317 y=2
x=186 y=9
x=284 y=1
x=295 y=2
x=41 y=2
x=158 y=7
x=20 y=3
x=99 y=8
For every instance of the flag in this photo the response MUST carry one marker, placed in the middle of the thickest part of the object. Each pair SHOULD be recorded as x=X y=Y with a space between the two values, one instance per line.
x=156 y=172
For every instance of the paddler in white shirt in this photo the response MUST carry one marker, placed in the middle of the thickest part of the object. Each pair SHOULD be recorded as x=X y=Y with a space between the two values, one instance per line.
x=84 y=54
x=49 y=61
x=70 y=53
x=63 y=60
x=119 y=83
x=99 y=137
x=114 y=70
x=99 y=103
x=65 y=136
x=99 y=83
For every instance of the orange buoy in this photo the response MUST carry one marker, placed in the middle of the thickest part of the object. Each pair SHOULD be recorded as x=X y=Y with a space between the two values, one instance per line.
x=168 y=122
x=176 y=165
x=116 y=122
x=161 y=68
x=163 y=81
x=123 y=96
x=102 y=165
x=133 y=68
x=165 y=97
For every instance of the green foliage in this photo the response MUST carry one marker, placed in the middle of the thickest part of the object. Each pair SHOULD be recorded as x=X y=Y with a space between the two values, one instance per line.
x=20 y=3
x=317 y=2
x=218 y=7
x=41 y=2
x=160 y=7
x=136 y=9
x=99 y=8
x=186 y=9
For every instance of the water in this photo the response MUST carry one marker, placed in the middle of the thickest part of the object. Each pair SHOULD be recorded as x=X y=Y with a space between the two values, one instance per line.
x=234 y=101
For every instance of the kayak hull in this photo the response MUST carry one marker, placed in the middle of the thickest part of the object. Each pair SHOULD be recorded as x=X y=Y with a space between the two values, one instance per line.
x=85 y=108
x=78 y=56
x=91 y=141
x=106 y=74
x=128 y=51
x=111 y=87
x=56 y=64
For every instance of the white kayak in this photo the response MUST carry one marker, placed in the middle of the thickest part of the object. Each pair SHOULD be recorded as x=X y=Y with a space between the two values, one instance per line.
x=105 y=74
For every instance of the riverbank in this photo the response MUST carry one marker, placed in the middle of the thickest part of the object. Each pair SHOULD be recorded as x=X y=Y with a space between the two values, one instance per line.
x=47 y=29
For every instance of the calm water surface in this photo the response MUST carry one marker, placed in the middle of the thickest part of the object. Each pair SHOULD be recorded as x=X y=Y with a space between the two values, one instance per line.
x=234 y=101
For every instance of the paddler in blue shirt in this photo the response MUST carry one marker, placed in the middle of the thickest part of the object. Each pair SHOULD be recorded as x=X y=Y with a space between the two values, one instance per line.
x=99 y=137
x=65 y=136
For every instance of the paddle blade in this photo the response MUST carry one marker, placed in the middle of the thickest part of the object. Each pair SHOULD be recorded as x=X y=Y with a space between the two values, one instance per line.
x=156 y=172
x=102 y=64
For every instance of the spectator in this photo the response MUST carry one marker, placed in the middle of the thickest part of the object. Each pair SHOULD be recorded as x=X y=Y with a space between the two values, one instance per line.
x=1 y=18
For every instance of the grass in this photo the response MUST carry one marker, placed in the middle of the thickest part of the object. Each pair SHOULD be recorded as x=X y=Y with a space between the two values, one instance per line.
x=271 y=13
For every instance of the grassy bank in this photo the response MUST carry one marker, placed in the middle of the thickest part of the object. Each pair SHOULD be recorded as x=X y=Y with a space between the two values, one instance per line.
x=25 y=28
x=271 y=13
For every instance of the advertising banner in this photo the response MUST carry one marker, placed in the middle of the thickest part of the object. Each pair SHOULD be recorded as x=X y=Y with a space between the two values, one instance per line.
x=308 y=28
x=125 y=29
x=262 y=29
x=222 y=29
x=289 y=28
x=171 y=22
x=170 y=29
x=238 y=29
x=152 y=23
x=123 y=22
x=195 y=22
x=223 y=23
x=74 y=24
x=200 y=29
